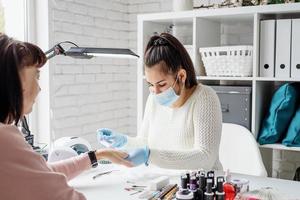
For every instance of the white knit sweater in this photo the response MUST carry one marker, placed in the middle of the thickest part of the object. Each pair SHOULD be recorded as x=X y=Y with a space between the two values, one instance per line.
x=187 y=137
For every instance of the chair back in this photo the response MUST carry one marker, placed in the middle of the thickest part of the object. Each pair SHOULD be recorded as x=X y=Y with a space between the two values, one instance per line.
x=239 y=151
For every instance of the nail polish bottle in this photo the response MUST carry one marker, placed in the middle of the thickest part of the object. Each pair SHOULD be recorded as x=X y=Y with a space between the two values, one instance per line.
x=184 y=192
x=188 y=177
x=209 y=195
x=184 y=182
x=220 y=194
x=202 y=185
x=194 y=187
x=228 y=187
x=211 y=175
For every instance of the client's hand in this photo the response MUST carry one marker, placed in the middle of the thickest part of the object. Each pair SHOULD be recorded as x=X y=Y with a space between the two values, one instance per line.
x=114 y=156
x=110 y=138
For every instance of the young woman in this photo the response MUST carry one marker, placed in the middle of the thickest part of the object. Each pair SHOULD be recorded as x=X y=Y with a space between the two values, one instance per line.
x=182 y=120
x=25 y=174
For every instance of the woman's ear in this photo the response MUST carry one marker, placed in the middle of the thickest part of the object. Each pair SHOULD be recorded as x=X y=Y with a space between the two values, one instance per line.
x=182 y=75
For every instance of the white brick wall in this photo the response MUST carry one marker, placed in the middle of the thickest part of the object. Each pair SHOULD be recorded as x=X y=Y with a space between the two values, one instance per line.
x=89 y=94
x=84 y=92
x=237 y=34
x=285 y=164
x=136 y=7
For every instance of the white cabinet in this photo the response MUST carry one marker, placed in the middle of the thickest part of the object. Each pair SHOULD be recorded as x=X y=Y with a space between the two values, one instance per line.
x=219 y=27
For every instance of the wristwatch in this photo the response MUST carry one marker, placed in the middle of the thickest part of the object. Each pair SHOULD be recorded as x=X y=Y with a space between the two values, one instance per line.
x=93 y=158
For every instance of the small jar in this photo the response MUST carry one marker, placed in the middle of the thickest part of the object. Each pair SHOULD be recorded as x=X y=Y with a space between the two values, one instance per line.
x=241 y=185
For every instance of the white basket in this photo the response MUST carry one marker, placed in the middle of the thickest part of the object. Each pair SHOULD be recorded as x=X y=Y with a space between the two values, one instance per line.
x=227 y=60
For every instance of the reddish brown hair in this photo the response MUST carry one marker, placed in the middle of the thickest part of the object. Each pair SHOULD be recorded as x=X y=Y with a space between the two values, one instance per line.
x=15 y=55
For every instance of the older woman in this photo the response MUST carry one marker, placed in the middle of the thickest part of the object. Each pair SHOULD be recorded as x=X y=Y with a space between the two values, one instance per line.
x=25 y=174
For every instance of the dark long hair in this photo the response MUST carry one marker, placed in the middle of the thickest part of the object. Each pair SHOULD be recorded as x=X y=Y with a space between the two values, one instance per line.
x=15 y=55
x=166 y=48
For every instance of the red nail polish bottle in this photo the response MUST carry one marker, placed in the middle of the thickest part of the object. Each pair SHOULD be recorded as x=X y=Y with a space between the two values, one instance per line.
x=228 y=187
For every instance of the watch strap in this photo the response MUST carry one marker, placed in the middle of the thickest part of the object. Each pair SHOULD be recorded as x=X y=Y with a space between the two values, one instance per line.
x=93 y=158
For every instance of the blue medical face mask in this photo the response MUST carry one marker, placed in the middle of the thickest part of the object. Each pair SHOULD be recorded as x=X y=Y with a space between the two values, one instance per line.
x=167 y=97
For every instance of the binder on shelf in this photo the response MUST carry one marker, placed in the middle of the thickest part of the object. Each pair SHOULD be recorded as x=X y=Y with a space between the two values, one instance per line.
x=267 y=48
x=283 y=48
x=295 y=58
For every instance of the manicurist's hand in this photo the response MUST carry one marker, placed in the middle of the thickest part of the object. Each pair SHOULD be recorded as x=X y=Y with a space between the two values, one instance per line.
x=114 y=156
x=139 y=156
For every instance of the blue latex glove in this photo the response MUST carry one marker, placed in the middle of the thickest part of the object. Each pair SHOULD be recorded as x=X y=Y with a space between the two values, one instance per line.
x=110 y=138
x=138 y=156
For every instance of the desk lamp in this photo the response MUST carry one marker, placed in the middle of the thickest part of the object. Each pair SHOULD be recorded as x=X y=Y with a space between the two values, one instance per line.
x=78 y=53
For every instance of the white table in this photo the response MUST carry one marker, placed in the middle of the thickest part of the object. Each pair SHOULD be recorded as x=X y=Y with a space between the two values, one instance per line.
x=112 y=186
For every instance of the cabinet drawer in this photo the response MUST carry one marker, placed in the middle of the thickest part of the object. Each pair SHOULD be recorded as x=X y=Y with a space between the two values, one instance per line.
x=236 y=104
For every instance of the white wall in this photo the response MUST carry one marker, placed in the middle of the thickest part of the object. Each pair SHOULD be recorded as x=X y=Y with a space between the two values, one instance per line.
x=89 y=94
x=14 y=14
x=285 y=164
x=136 y=7
x=101 y=92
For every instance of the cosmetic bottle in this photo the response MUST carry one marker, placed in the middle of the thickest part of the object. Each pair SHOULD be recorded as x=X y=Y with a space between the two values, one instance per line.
x=202 y=179
x=211 y=175
x=193 y=183
x=201 y=185
x=188 y=177
x=220 y=194
x=209 y=195
x=184 y=182
x=228 y=187
x=194 y=188
x=184 y=193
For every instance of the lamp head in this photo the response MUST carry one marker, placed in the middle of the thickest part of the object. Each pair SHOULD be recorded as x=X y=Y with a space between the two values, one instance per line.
x=89 y=52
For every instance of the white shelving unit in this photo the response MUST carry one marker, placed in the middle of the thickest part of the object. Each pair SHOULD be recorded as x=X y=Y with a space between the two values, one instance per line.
x=280 y=147
x=225 y=78
x=206 y=28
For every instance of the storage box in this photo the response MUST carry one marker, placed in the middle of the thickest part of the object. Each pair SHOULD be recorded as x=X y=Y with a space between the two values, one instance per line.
x=227 y=60
x=236 y=104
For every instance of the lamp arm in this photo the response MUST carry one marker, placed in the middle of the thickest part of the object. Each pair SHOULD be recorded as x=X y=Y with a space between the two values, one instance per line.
x=58 y=49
